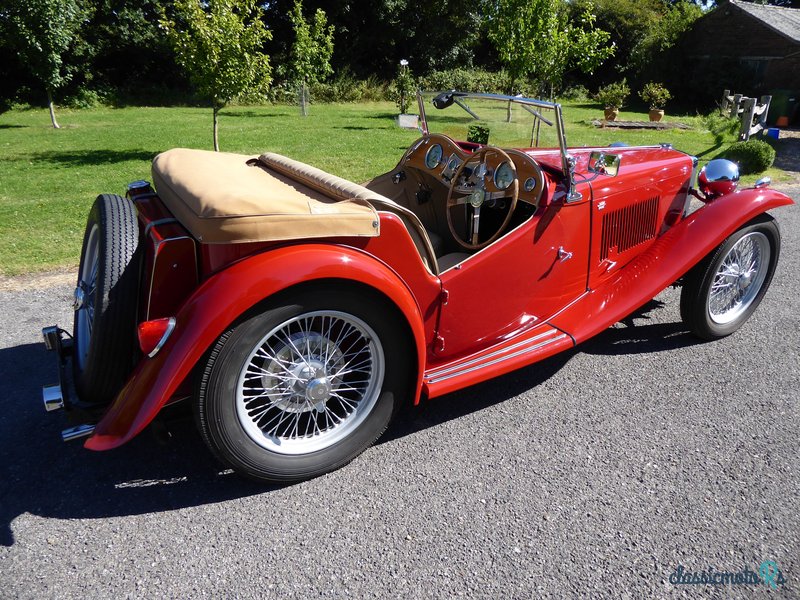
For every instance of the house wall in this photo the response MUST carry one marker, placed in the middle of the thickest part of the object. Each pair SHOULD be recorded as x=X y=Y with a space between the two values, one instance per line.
x=730 y=32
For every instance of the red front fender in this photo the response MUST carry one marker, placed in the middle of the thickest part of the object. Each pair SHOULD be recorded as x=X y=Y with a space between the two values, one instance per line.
x=670 y=257
x=218 y=302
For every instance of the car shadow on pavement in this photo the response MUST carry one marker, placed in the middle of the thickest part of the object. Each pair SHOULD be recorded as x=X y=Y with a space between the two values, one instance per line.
x=41 y=475
x=629 y=336
x=168 y=467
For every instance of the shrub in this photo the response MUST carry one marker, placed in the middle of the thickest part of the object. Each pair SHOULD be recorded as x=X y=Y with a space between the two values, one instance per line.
x=753 y=156
x=478 y=134
x=466 y=80
x=344 y=88
x=613 y=95
x=721 y=127
x=656 y=95
x=403 y=88
x=575 y=92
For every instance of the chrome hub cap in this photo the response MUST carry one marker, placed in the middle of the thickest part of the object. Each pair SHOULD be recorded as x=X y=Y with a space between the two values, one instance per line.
x=79 y=296
x=739 y=278
x=310 y=382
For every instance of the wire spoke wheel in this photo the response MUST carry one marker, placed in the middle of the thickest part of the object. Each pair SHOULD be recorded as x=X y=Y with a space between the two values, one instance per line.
x=307 y=383
x=310 y=382
x=739 y=278
x=721 y=292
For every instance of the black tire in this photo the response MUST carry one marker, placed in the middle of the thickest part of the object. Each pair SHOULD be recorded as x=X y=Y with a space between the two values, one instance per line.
x=703 y=313
x=105 y=300
x=253 y=424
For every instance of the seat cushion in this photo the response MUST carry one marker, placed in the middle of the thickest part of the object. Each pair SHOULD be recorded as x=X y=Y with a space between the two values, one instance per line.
x=448 y=261
x=227 y=198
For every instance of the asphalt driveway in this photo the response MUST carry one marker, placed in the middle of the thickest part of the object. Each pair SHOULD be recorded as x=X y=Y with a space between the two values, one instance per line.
x=596 y=473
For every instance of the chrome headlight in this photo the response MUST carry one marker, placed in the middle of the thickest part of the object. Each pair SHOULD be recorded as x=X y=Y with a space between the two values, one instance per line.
x=718 y=177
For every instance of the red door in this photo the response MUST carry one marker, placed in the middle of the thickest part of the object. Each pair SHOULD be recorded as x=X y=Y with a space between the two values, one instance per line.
x=517 y=282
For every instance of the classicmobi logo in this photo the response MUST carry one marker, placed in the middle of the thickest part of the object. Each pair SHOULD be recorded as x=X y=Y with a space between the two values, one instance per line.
x=767 y=574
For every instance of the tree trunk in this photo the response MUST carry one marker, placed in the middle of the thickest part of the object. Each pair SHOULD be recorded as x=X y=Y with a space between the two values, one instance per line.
x=216 y=136
x=304 y=99
x=52 y=109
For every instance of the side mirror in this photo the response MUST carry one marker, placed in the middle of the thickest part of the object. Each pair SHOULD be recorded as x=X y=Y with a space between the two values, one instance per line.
x=443 y=100
x=604 y=164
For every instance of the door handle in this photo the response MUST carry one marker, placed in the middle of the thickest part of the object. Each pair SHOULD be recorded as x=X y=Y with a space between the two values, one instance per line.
x=563 y=255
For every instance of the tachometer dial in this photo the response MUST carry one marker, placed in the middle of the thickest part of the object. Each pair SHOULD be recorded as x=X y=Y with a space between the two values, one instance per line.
x=434 y=156
x=503 y=175
x=530 y=184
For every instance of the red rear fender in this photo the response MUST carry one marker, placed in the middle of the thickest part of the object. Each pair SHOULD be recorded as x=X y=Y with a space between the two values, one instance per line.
x=221 y=300
x=670 y=257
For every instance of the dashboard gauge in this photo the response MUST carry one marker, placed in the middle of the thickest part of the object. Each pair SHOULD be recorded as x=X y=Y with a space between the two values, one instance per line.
x=530 y=184
x=503 y=175
x=434 y=156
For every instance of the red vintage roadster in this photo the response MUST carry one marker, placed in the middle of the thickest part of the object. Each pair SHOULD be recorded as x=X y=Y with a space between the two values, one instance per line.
x=298 y=311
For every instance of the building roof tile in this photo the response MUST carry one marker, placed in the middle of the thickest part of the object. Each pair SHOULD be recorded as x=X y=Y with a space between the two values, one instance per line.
x=785 y=21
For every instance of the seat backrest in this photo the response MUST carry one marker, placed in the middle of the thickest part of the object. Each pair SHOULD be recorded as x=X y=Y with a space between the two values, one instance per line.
x=347 y=190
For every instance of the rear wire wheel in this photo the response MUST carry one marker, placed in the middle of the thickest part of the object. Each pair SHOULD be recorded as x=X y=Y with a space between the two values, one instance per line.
x=721 y=292
x=305 y=386
x=105 y=300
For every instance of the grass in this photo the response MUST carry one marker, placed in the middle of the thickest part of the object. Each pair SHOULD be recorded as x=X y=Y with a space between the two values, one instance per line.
x=49 y=178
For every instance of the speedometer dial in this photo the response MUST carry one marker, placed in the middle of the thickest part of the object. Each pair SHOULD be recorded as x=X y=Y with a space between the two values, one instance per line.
x=503 y=175
x=434 y=156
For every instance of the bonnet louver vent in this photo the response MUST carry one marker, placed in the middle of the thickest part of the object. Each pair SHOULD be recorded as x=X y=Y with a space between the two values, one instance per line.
x=628 y=227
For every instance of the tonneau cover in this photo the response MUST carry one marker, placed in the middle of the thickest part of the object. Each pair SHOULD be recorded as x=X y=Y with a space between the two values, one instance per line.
x=227 y=198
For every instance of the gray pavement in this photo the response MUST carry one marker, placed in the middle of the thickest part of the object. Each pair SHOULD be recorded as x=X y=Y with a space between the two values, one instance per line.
x=593 y=474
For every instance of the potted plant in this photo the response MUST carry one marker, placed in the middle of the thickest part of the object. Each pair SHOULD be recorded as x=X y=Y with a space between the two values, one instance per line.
x=612 y=96
x=656 y=96
x=402 y=92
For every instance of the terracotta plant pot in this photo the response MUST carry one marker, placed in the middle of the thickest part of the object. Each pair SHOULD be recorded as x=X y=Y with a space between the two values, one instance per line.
x=656 y=114
x=611 y=114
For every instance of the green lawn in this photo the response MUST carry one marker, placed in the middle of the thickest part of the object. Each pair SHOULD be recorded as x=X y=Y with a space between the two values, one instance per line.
x=49 y=178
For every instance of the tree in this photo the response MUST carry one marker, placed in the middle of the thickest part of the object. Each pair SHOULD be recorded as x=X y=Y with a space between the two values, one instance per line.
x=536 y=39
x=219 y=45
x=42 y=32
x=311 y=51
x=131 y=56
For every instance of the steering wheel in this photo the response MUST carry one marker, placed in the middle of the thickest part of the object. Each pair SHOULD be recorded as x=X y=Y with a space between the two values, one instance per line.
x=476 y=195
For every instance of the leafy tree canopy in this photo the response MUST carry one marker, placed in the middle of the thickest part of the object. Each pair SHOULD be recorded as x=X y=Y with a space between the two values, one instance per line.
x=219 y=44
x=41 y=32
x=537 y=38
x=313 y=45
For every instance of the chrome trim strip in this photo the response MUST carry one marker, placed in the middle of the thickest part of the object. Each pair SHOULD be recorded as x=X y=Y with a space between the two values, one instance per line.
x=498 y=360
x=164 y=338
x=77 y=432
x=485 y=361
x=158 y=222
x=156 y=246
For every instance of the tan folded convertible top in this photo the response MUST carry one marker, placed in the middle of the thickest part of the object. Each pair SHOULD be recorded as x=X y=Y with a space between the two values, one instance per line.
x=229 y=198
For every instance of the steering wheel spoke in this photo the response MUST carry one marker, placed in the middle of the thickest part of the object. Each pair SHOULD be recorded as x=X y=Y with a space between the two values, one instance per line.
x=476 y=195
x=475 y=223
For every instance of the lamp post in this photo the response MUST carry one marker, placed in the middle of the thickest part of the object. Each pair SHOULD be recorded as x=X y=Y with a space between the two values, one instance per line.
x=403 y=69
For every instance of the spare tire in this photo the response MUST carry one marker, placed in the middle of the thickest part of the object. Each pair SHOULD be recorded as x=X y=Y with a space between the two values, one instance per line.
x=105 y=300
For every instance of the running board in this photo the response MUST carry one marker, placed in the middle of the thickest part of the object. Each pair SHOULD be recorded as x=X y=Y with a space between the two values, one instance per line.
x=536 y=344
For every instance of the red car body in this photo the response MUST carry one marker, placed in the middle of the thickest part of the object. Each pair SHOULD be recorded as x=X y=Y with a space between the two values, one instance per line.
x=592 y=251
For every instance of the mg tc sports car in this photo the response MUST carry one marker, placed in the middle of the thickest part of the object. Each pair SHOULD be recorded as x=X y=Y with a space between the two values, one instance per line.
x=298 y=311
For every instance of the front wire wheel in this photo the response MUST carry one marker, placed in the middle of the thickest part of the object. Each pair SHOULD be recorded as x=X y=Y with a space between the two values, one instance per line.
x=721 y=293
x=312 y=392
